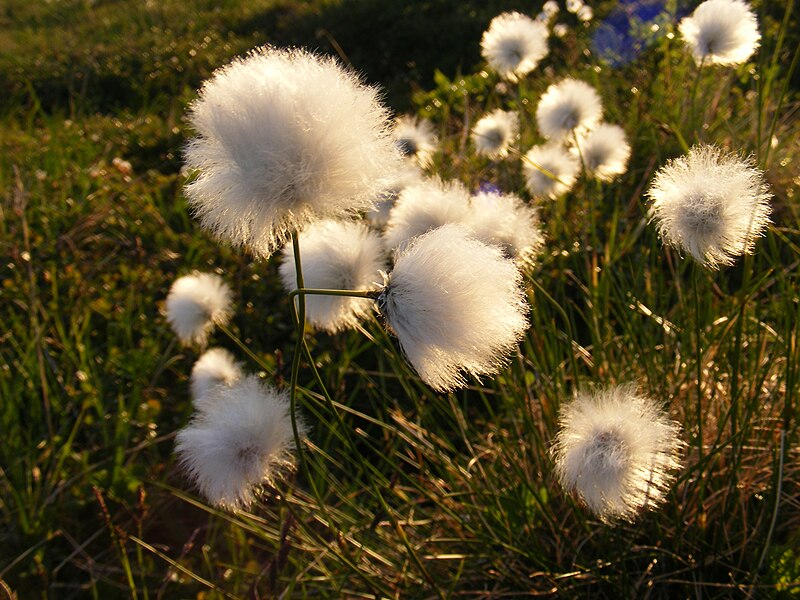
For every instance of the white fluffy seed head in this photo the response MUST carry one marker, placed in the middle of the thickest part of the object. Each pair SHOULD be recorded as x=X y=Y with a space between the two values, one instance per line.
x=415 y=139
x=215 y=367
x=425 y=206
x=494 y=133
x=710 y=204
x=721 y=32
x=242 y=438
x=617 y=450
x=378 y=216
x=550 y=171
x=285 y=137
x=514 y=44
x=604 y=151
x=456 y=306
x=504 y=220
x=567 y=106
x=196 y=303
x=336 y=255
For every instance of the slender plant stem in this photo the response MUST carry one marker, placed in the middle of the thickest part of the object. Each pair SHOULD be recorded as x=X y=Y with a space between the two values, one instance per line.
x=693 y=96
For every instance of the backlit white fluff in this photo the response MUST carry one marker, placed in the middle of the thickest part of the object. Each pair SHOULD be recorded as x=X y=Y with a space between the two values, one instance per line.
x=425 y=206
x=336 y=255
x=550 y=8
x=494 y=133
x=504 y=220
x=514 y=44
x=585 y=13
x=721 y=32
x=378 y=216
x=242 y=438
x=567 y=106
x=574 y=6
x=195 y=304
x=215 y=367
x=604 y=151
x=415 y=139
x=617 y=450
x=285 y=137
x=550 y=171
x=710 y=204
x=455 y=305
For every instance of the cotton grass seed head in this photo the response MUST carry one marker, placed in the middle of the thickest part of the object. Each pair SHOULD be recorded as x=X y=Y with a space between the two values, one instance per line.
x=336 y=255
x=378 y=216
x=710 y=204
x=195 y=304
x=567 y=106
x=456 y=306
x=604 y=151
x=285 y=137
x=215 y=367
x=415 y=139
x=550 y=171
x=494 y=133
x=242 y=438
x=425 y=206
x=721 y=32
x=617 y=450
x=514 y=45
x=504 y=220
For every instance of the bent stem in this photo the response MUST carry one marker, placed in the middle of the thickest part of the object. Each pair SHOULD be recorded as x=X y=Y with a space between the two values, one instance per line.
x=299 y=315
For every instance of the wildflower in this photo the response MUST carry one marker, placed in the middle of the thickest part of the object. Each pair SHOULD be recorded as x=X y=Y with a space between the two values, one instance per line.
x=504 y=220
x=494 y=133
x=566 y=107
x=242 y=438
x=604 y=151
x=285 y=137
x=415 y=139
x=425 y=206
x=195 y=304
x=514 y=45
x=550 y=8
x=574 y=6
x=710 y=204
x=560 y=30
x=455 y=305
x=721 y=32
x=215 y=367
x=336 y=255
x=585 y=13
x=378 y=216
x=617 y=450
x=550 y=171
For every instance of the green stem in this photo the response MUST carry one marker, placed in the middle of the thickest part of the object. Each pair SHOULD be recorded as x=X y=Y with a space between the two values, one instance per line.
x=693 y=96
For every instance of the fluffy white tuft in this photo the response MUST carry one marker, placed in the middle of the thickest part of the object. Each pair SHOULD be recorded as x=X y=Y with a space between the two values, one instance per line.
x=285 y=137
x=604 y=151
x=567 y=106
x=242 y=438
x=710 y=204
x=425 y=206
x=456 y=306
x=195 y=304
x=574 y=6
x=415 y=139
x=215 y=367
x=585 y=13
x=514 y=44
x=379 y=215
x=550 y=171
x=494 y=133
x=550 y=8
x=336 y=255
x=618 y=451
x=504 y=220
x=721 y=32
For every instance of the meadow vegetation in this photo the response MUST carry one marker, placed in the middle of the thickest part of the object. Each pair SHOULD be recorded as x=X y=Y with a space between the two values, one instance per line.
x=404 y=492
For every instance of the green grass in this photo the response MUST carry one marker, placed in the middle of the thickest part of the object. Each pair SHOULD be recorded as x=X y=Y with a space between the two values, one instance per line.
x=417 y=494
